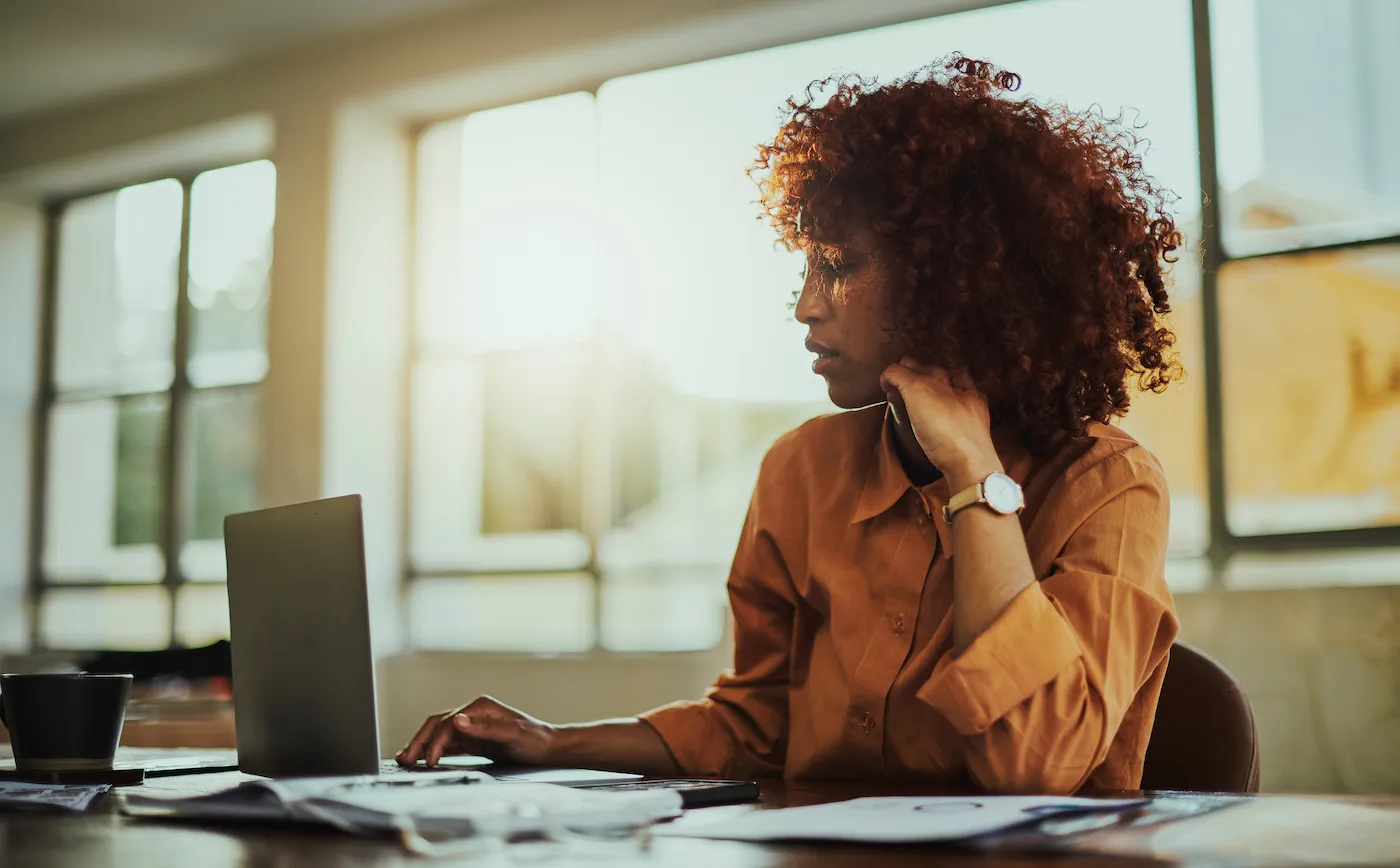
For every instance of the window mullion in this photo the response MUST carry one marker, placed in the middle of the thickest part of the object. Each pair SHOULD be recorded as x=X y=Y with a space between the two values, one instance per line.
x=39 y=448
x=1211 y=258
x=174 y=469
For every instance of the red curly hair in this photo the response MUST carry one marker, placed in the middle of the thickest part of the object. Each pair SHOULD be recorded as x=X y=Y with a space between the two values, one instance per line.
x=1027 y=247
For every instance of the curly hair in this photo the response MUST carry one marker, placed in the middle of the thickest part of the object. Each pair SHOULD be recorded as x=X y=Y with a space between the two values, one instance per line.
x=1026 y=246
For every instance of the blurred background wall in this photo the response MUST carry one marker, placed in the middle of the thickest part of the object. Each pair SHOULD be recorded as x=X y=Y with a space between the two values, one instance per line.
x=495 y=266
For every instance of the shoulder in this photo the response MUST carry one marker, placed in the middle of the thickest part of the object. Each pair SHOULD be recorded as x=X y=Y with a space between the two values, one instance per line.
x=824 y=441
x=1108 y=467
x=1109 y=459
x=825 y=459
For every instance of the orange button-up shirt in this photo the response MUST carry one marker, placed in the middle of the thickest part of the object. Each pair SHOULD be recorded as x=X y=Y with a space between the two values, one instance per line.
x=842 y=594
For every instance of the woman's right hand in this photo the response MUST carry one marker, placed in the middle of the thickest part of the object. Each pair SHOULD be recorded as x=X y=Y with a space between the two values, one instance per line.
x=483 y=726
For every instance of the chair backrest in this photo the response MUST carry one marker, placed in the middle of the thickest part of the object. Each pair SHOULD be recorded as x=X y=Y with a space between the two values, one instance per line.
x=1203 y=738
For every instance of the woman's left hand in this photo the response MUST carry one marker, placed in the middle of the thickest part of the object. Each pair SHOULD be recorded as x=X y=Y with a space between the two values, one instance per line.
x=951 y=422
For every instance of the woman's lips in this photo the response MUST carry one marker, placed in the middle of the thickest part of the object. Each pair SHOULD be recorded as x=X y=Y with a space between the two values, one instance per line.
x=826 y=357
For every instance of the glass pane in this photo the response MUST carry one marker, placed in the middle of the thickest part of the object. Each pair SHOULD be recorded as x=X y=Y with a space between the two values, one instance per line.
x=118 y=278
x=135 y=618
x=676 y=610
x=684 y=470
x=202 y=560
x=1311 y=367
x=231 y=214
x=104 y=500
x=445 y=454
x=532 y=417
x=529 y=180
x=503 y=613
x=1308 y=125
x=499 y=508
x=141 y=429
x=201 y=614
x=224 y=448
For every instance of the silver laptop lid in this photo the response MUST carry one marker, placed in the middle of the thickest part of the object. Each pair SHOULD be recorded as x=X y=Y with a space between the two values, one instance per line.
x=303 y=672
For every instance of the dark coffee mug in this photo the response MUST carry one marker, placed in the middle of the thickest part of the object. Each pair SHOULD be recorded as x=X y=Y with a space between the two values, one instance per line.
x=64 y=722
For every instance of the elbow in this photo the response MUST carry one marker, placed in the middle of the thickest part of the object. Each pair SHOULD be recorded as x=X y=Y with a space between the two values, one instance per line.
x=1049 y=760
x=1041 y=779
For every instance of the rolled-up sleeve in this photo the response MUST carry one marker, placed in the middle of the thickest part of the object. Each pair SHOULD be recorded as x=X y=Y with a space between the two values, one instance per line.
x=740 y=728
x=1040 y=694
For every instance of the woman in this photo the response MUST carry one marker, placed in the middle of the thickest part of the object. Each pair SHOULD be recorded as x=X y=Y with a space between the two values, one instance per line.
x=962 y=577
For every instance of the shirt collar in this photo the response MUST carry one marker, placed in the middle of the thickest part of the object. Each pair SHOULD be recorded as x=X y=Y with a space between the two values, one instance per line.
x=886 y=482
x=885 y=479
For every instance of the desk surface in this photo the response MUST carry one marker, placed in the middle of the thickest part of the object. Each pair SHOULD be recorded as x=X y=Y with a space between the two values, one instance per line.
x=105 y=837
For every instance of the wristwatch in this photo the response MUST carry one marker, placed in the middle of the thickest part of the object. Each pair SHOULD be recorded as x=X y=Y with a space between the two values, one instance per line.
x=997 y=491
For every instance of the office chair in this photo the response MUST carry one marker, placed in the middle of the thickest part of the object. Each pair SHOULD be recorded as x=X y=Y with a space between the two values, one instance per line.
x=1203 y=738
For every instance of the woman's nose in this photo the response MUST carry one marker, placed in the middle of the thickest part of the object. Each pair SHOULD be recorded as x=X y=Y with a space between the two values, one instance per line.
x=812 y=304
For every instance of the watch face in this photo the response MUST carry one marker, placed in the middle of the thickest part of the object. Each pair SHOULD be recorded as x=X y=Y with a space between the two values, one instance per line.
x=1002 y=493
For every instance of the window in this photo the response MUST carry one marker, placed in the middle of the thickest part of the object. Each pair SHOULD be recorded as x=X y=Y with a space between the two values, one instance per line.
x=155 y=349
x=603 y=351
x=1303 y=279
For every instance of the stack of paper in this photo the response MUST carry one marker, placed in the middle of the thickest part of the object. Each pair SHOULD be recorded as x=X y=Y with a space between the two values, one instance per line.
x=20 y=796
x=892 y=820
x=464 y=803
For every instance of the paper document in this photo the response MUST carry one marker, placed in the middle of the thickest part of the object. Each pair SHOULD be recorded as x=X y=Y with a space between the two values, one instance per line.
x=891 y=820
x=444 y=804
x=48 y=796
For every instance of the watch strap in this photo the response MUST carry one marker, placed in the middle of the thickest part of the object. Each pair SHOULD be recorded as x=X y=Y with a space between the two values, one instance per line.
x=969 y=496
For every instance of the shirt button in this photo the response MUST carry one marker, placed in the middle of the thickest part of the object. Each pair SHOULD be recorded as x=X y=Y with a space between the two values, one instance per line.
x=867 y=722
x=898 y=623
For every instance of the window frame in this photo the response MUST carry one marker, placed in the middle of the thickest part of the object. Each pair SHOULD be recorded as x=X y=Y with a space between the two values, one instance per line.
x=175 y=470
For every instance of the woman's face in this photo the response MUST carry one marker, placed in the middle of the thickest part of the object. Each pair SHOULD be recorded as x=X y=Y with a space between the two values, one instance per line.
x=844 y=305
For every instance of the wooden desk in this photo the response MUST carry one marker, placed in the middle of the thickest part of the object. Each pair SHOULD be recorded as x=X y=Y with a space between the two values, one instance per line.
x=103 y=837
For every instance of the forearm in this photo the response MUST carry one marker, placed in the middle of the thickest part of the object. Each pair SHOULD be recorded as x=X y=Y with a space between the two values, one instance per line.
x=991 y=566
x=626 y=745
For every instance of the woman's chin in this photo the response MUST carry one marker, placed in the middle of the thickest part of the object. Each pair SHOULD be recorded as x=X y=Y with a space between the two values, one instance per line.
x=847 y=398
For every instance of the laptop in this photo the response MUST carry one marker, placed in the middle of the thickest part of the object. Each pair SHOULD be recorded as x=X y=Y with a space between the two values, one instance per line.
x=303 y=669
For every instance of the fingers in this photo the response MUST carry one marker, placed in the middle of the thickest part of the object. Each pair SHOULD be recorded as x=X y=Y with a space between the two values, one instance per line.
x=484 y=725
x=897 y=377
x=417 y=746
x=909 y=373
x=409 y=754
x=440 y=743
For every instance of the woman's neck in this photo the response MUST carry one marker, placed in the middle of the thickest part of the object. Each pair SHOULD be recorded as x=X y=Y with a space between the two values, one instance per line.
x=911 y=455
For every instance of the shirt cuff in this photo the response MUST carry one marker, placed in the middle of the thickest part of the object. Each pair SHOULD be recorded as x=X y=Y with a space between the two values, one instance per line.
x=1027 y=645
x=688 y=733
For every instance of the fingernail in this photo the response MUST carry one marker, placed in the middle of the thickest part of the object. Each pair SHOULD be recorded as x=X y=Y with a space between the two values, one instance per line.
x=461 y=721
